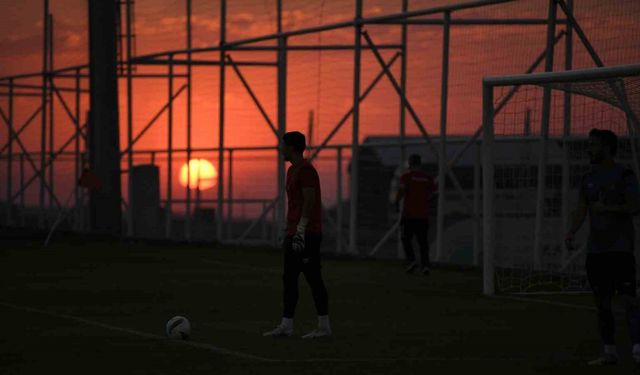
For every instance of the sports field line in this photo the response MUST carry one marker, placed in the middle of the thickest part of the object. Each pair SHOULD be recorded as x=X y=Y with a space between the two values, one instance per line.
x=546 y=302
x=110 y=327
x=241 y=355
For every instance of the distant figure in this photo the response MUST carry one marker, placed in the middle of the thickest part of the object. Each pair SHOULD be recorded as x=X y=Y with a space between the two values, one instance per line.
x=302 y=242
x=610 y=195
x=416 y=187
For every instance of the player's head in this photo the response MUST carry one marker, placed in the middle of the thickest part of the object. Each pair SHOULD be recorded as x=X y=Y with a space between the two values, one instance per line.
x=415 y=161
x=603 y=145
x=294 y=143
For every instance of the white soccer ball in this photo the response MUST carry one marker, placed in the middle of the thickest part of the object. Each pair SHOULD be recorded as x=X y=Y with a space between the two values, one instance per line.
x=178 y=328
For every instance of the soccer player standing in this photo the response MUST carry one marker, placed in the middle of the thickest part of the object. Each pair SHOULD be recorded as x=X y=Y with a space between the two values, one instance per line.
x=302 y=242
x=416 y=187
x=610 y=195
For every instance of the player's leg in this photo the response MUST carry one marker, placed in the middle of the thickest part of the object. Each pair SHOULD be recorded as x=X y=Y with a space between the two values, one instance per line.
x=423 y=241
x=601 y=280
x=407 y=244
x=290 y=291
x=626 y=287
x=313 y=274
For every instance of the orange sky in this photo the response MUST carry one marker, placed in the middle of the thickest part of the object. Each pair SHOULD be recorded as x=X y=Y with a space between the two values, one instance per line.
x=316 y=81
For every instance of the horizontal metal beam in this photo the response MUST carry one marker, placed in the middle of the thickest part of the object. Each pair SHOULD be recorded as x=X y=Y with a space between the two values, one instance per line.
x=39 y=87
x=591 y=74
x=200 y=62
x=474 y=22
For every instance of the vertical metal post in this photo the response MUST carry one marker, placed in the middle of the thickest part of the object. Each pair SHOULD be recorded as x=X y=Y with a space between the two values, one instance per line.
x=264 y=222
x=442 y=160
x=22 y=203
x=78 y=161
x=10 y=156
x=51 y=129
x=43 y=124
x=219 y=205
x=282 y=120
x=129 y=122
x=477 y=207
x=168 y=206
x=230 y=197
x=403 y=85
x=355 y=134
x=339 y=202
x=544 y=136
x=488 y=188
x=189 y=41
x=566 y=167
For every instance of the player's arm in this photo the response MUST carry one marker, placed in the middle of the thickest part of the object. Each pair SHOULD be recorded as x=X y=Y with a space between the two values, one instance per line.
x=576 y=219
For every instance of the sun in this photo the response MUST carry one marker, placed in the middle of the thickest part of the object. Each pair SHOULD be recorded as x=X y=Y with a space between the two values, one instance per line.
x=203 y=175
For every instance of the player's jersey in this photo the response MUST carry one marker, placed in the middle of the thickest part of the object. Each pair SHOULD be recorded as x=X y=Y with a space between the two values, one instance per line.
x=418 y=187
x=609 y=232
x=303 y=176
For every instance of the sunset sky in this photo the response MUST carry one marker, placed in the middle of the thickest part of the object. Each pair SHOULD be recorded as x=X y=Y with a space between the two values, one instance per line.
x=316 y=81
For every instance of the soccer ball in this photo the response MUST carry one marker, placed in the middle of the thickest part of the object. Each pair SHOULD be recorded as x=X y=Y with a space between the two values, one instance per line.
x=178 y=328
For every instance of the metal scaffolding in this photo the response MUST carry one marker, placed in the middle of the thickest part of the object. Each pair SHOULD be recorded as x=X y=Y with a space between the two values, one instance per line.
x=229 y=62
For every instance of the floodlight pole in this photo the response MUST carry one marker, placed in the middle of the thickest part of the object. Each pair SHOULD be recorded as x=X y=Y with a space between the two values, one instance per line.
x=282 y=123
x=544 y=137
x=189 y=47
x=129 y=121
x=488 y=188
x=566 y=168
x=339 y=200
x=169 y=151
x=78 y=156
x=51 y=113
x=223 y=36
x=403 y=107
x=355 y=134
x=43 y=124
x=10 y=155
x=230 y=197
x=442 y=160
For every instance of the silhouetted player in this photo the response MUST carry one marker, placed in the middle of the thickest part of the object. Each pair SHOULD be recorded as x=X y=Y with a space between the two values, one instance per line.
x=302 y=242
x=416 y=187
x=610 y=195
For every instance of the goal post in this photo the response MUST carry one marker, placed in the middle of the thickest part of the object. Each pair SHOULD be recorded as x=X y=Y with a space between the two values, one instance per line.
x=522 y=254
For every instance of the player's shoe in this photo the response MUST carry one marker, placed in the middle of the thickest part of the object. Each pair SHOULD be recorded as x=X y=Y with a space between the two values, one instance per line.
x=607 y=359
x=318 y=333
x=411 y=267
x=426 y=270
x=279 y=331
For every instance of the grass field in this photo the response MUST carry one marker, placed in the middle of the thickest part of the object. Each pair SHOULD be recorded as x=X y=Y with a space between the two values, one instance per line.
x=100 y=308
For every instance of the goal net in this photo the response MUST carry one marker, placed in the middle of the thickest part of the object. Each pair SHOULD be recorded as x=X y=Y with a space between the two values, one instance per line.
x=535 y=137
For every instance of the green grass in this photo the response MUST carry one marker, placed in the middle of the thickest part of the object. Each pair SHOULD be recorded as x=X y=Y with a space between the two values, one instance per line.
x=385 y=322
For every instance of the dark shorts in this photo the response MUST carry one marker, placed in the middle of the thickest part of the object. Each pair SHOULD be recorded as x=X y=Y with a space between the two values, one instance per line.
x=309 y=258
x=612 y=273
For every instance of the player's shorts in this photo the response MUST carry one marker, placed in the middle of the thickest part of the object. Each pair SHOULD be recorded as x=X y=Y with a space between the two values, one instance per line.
x=612 y=273
x=309 y=257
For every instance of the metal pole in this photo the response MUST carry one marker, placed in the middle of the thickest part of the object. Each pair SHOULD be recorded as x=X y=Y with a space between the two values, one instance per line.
x=51 y=114
x=10 y=156
x=403 y=86
x=168 y=205
x=282 y=121
x=566 y=167
x=43 y=127
x=355 y=134
x=544 y=136
x=442 y=161
x=477 y=207
x=339 y=202
x=129 y=122
x=78 y=161
x=189 y=41
x=230 y=197
x=223 y=27
x=22 y=204
x=488 y=188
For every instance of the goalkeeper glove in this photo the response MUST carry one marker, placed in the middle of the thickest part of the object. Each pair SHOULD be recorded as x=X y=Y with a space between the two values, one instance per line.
x=297 y=242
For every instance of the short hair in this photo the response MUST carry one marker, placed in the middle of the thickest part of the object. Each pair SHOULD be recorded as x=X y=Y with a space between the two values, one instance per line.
x=607 y=137
x=414 y=159
x=296 y=140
